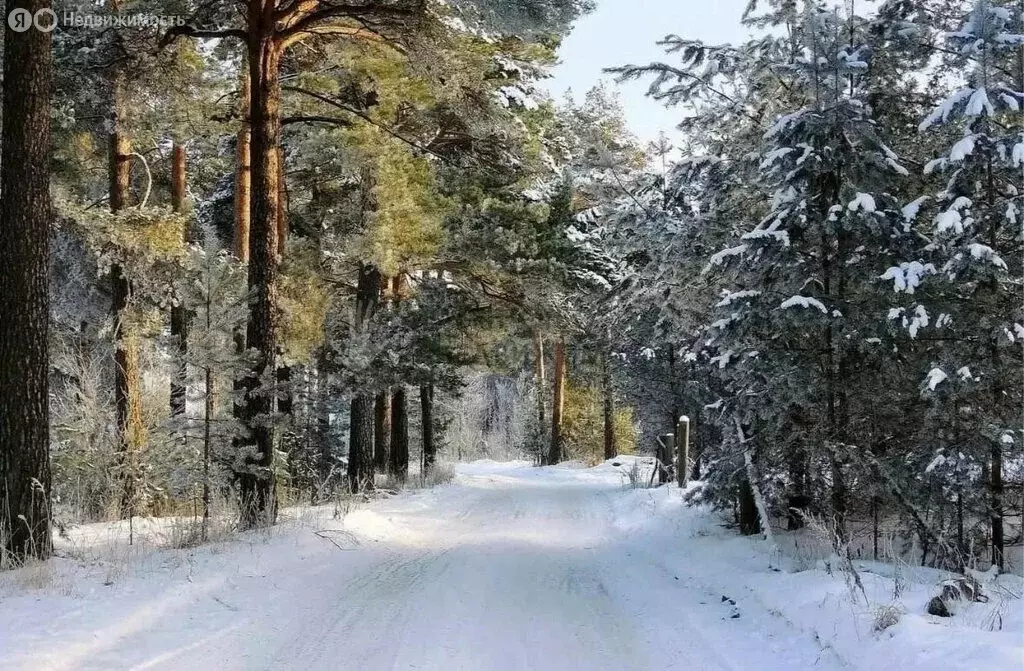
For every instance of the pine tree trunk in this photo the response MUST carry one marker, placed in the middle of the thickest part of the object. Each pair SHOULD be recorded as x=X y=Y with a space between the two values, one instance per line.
x=541 y=384
x=243 y=175
x=360 y=467
x=796 y=497
x=120 y=191
x=179 y=316
x=382 y=431
x=243 y=219
x=285 y=397
x=282 y=203
x=749 y=523
x=323 y=417
x=996 y=489
x=696 y=445
x=207 y=415
x=427 y=421
x=361 y=435
x=207 y=423
x=257 y=479
x=682 y=436
x=135 y=435
x=24 y=290
x=360 y=444
x=555 y=453
x=399 y=434
x=609 y=409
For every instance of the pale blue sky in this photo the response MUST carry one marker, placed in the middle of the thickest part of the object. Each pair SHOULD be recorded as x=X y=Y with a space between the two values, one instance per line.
x=625 y=31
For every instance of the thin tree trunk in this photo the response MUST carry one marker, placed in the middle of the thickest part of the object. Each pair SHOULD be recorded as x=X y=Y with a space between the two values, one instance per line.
x=796 y=496
x=323 y=418
x=540 y=382
x=135 y=436
x=996 y=487
x=609 y=409
x=399 y=458
x=382 y=431
x=399 y=434
x=207 y=422
x=555 y=453
x=207 y=416
x=427 y=421
x=874 y=528
x=24 y=290
x=120 y=190
x=179 y=316
x=682 y=451
x=243 y=175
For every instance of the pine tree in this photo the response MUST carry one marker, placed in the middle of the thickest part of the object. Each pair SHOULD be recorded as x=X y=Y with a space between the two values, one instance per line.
x=971 y=265
x=24 y=291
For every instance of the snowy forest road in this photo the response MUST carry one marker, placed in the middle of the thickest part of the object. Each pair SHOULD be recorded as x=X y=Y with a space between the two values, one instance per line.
x=511 y=567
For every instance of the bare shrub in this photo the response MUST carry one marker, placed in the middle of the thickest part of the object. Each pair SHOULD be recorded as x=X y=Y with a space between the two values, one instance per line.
x=886 y=616
x=828 y=531
x=439 y=474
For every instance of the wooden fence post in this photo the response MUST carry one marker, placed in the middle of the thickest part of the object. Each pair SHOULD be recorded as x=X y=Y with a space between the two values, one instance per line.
x=682 y=450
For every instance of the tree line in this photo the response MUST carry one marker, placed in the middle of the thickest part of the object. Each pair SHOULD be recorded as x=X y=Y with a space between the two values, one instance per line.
x=284 y=236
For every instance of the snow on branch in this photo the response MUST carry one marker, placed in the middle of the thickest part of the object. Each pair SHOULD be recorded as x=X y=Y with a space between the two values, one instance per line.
x=803 y=302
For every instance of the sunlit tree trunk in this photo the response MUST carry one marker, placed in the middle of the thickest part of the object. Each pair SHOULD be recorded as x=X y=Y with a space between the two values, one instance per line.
x=257 y=480
x=555 y=453
x=120 y=191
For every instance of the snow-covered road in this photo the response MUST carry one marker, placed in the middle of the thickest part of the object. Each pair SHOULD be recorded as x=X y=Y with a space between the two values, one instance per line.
x=511 y=567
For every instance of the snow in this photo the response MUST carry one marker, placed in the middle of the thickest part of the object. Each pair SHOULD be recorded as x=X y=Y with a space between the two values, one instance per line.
x=908 y=275
x=513 y=96
x=919 y=321
x=912 y=208
x=979 y=104
x=719 y=257
x=941 y=113
x=862 y=201
x=950 y=220
x=1018 y=154
x=939 y=460
x=962 y=149
x=936 y=376
x=804 y=302
x=510 y=567
x=986 y=253
x=729 y=296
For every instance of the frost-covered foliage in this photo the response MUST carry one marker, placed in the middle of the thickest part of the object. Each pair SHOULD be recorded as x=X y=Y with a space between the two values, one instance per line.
x=492 y=417
x=831 y=285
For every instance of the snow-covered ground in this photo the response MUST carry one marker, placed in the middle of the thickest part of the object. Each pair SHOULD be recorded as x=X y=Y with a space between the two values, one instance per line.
x=511 y=567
